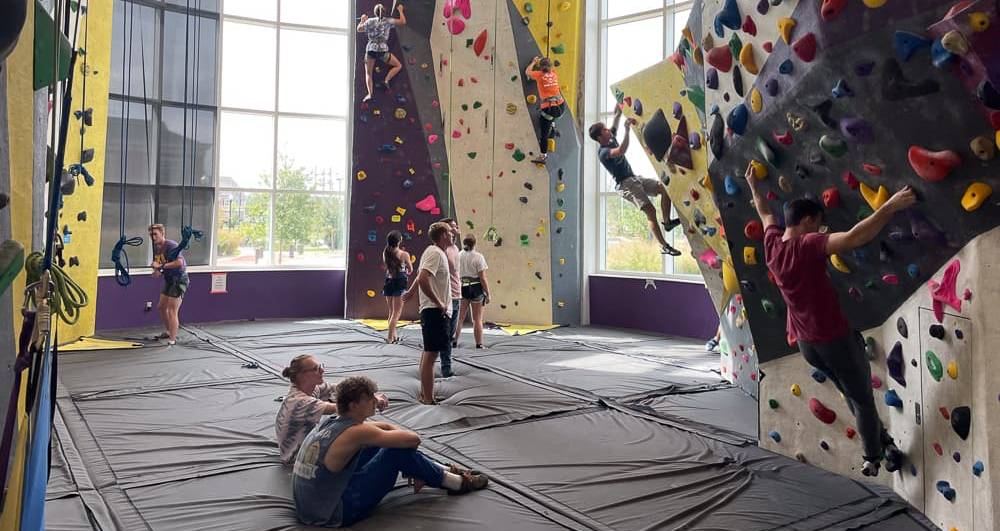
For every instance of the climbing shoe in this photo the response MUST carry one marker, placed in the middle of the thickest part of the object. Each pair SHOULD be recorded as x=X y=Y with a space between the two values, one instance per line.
x=540 y=159
x=670 y=225
x=870 y=468
x=471 y=482
x=893 y=458
x=712 y=345
x=11 y=262
x=667 y=249
x=458 y=471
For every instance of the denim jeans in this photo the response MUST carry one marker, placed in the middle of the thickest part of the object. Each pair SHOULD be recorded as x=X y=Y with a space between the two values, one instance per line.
x=378 y=469
x=446 y=353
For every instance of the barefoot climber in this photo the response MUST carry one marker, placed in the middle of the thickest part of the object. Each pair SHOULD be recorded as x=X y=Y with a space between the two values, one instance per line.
x=378 y=29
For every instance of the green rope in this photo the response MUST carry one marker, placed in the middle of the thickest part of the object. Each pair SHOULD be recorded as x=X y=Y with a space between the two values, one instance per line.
x=67 y=296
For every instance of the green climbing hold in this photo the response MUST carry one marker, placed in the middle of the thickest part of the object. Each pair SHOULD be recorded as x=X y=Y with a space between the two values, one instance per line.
x=833 y=145
x=934 y=365
x=472 y=154
x=559 y=48
x=513 y=78
x=472 y=226
x=477 y=105
x=735 y=46
x=465 y=106
x=870 y=284
x=528 y=8
x=768 y=306
x=468 y=43
x=765 y=151
x=864 y=212
x=518 y=155
x=697 y=96
x=560 y=202
x=772 y=403
x=619 y=95
x=525 y=240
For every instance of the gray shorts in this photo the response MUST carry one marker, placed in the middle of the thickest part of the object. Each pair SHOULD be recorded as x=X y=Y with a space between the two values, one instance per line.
x=638 y=189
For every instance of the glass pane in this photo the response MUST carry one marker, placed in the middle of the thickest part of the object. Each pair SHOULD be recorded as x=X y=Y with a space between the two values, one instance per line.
x=246 y=150
x=141 y=162
x=138 y=217
x=243 y=225
x=680 y=22
x=260 y=9
x=312 y=82
x=625 y=57
x=332 y=13
x=619 y=8
x=201 y=66
x=203 y=5
x=135 y=24
x=312 y=154
x=630 y=246
x=197 y=210
x=316 y=239
x=685 y=264
x=248 y=55
x=199 y=152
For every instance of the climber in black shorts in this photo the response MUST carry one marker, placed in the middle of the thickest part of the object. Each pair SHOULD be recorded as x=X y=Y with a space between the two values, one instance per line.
x=377 y=49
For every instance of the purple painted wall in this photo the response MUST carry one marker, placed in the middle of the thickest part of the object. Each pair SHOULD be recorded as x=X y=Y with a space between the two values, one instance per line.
x=673 y=308
x=251 y=294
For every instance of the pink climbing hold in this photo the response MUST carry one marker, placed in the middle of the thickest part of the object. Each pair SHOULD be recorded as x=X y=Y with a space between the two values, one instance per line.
x=876 y=382
x=768 y=46
x=805 y=47
x=749 y=27
x=460 y=6
x=720 y=57
x=456 y=134
x=933 y=166
x=821 y=412
x=872 y=169
x=426 y=204
x=784 y=138
x=850 y=180
x=831 y=9
x=710 y=258
x=455 y=25
x=944 y=292
x=432 y=139
x=890 y=279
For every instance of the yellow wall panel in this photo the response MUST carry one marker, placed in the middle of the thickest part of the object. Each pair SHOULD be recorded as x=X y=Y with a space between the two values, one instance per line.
x=564 y=35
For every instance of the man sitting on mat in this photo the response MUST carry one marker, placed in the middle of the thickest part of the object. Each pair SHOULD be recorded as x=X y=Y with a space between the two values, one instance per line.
x=175 y=281
x=348 y=463
x=308 y=400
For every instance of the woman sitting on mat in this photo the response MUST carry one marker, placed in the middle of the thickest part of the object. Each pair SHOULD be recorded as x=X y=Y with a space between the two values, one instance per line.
x=475 y=287
x=397 y=271
x=377 y=49
x=308 y=399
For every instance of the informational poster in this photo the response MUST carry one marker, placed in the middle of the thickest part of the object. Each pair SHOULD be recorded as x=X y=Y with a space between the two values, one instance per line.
x=218 y=283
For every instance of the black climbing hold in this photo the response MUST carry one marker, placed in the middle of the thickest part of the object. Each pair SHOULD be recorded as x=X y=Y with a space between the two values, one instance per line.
x=529 y=186
x=716 y=137
x=80 y=216
x=4 y=200
x=762 y=7
x=894 y=362
x=896 y=87
x=913 y=362
x=924 y=230
x=74 y=261
x=961 y=420
x=801 y=171
x=936 y=331
x=901 y=327
x=864 y=69
x=824 y=445
x=822 y=110
x=657 y=135
x=523 y=199
x=988 y=94
x=712 y=78
x=959 y=334
x=748 y=285
x=771 y=87
x=538 y=275
x=738 y=80
x=818 y=375
x=816 y=158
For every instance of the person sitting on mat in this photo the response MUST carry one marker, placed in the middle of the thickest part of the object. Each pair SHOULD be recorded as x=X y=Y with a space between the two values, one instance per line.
x=308 y=399
x=797 y=257
x=397 y=271
x=377 y=49
x=348 y=463
x=632 y=187
x=475 y=288
x=434 y=286
x=175 y=281
x=551 y=104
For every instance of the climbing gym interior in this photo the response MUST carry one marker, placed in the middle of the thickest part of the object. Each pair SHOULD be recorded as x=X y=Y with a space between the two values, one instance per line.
x=411 y=264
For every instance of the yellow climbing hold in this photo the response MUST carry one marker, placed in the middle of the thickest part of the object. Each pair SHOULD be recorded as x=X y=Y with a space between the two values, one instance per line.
x=954 y=42
x=699 y=56
x=747 y=59
x=564 y=6
x=729 y=280
x=750 y=255
x=873 y=198
x=796 y=390
x=562 y=261
x=874 y=3
x=975 y=195
x=370 y=293
x=759 y=169
x=551 y=145
x=998 y=139
x=839 y=264
x=401 y=211
x=756 y=101
x=953 y=370
x=785 y=27
x=560 y=187
x=511 y=109
x=362 y=175
x=560 y=215
x=979 y=21
x=532 y=99
x=396 y=218
x=400 y=113
x=706 y=182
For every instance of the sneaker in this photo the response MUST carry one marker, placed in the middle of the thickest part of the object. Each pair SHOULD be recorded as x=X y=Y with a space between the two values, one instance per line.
x=670 y=225
x=471 y=482
x=458 y=471
x=540 y=159
x=454 y=344
x=171 y=342
x=870 y=468
x=893 y=458
x=667 y=249
x=712 y=345
x=367 y=99
x=480 y=345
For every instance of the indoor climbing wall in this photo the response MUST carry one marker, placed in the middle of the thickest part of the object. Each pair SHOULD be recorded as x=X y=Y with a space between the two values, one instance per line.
x=669 y=128
x=556 y=27
x=847 y=102
x=467 y=134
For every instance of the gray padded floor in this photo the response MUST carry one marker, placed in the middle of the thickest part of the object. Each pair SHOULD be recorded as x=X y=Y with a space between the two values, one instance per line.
x=579 y=429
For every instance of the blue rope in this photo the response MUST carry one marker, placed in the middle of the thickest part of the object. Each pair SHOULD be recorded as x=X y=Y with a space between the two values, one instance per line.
x=186 y=234
x=120 y=257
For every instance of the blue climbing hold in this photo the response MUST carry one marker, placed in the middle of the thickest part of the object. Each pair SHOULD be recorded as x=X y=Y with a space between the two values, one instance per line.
x=738 y=118
x=775 y=435
x=842 y=90
x=386 y=148
x=730 y=16
x=977 y=468
x=913 y=270
x=712 y=78
x=637 y=107
x=819 y=375
x=786 y=67
x=407 y=184
x=913 y=470
x=372 y=236
x=731 y=187
x=720 y=30
x=945 y=489
x=939 y=56
x=714 y=109
x=892 y=399
x=907 y=43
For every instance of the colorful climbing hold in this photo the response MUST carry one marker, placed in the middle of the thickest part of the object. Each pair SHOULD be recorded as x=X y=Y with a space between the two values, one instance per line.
x=961 y=421
x=775 y=436
x=805 y=47
x=933 y=166
x=754 y=230
x=785 y=27
x=892 y=399
x=907 y=43
x=821 y=412
x=975 y=195
x=750 y=255
x=796 y=390
x=876 y=382
x=831 y=198
x=833 y=145
x=839 y=264
x=875 y=199
x=934 y=365
x=747 y=59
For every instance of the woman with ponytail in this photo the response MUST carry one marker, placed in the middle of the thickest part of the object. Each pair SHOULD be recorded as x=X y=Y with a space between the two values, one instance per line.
x=397 y=273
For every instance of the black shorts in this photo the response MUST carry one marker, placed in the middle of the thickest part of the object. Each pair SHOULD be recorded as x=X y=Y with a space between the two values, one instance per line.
x=378 y=56
x=473 y=292
x=434 y=325
x=394 y=287
x=175 y=287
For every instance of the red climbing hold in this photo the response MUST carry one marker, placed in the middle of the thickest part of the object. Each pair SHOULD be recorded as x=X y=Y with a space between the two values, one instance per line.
x=890 y=279
x=831 y=198
x=720 y=57
x=480 y=43
x=945 y=413
x=821 y=412
x=850 y=180
x=749 y=26
x=872 y=169
x=944 y=292
x=805 y=47
x=771 y=196
x=850 y=433
x=831 y=9
x=995 y=120
x=677 y=59
x=937 y=449
x=784 y=138
x=933 y=166
x=754 y=230
x=768 y=46
x=694 y=194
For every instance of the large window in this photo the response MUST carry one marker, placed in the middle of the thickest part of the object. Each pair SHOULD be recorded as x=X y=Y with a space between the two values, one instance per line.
x=284 y=93
x=633 y=36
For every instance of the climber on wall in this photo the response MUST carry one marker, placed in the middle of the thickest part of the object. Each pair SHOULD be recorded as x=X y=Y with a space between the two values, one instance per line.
x=378 y=29
x=632 y=187
x=550 y=102
x=797 y=257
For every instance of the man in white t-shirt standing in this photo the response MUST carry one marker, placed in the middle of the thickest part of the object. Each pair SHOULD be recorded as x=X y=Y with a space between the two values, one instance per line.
x=433 y=282
x=456 y=294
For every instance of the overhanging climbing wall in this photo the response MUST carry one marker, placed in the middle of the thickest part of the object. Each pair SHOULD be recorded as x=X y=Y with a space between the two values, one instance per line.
x=847 y=102
x=468 y=135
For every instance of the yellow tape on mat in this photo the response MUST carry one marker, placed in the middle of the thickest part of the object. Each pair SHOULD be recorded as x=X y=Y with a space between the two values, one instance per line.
x=382 y=325
x=523 y=330
x=96 y=343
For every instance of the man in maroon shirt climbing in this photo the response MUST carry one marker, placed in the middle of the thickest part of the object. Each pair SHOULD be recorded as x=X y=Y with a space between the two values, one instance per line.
x=797 y=257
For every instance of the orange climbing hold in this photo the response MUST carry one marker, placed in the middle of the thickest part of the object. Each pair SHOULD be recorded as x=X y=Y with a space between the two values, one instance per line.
x=975 y=195
x=933 y=166
x=754 y=230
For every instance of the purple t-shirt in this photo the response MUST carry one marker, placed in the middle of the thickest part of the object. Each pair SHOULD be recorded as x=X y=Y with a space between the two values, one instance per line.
x=160 y=255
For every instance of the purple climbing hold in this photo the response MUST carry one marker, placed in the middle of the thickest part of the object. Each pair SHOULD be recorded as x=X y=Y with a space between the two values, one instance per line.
x=407 y=184
x=864 y=69
x=957 y=457
x=894 y=362
x=842 y=90
x=786 y=67
x=857 y=129
x=924 y=230
x=738 y=118
x=988 y=94
x=959 y=334
x=771 y=87
x=763 y=6
x=961 y=420
x=694 y=140
x=678 y=110
x=730 y=16
x=940 y=57
x=637 y=107
x=892 y=399
x=945 y=489
x=712 y=78
x=907 y=43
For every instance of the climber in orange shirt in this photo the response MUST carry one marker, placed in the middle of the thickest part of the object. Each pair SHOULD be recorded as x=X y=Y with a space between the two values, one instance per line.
x=550 y=101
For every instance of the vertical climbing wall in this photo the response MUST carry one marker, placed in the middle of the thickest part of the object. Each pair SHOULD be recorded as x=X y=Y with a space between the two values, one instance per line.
x=469 y=135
